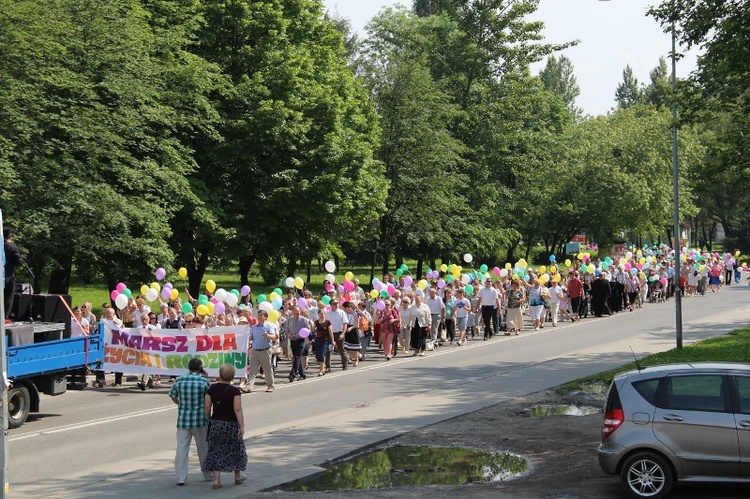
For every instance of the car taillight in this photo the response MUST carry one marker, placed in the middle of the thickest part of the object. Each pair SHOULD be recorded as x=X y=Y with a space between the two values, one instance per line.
x=612 y=420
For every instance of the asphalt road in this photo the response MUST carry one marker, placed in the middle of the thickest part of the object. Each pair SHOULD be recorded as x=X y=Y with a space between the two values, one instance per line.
x=120 y=442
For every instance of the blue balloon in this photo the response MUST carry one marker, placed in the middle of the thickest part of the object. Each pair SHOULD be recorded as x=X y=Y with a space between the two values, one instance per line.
x=634 y=271
x=597 y=272
x=526 y=277
x=552 y=258
x=276 y=303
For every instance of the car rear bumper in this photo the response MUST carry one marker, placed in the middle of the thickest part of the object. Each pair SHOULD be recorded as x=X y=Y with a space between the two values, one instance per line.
x=609 y=455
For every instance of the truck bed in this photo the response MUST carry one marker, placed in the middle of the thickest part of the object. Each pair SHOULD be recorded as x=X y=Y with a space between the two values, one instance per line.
x=49 y=357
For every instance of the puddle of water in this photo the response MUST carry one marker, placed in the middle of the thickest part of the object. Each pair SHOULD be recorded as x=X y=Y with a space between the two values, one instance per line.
x=541 y=411
x=403 y=466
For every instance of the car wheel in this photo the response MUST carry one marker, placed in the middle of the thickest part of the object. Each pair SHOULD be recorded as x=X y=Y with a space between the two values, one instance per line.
x=19 y=404
x=646 y=474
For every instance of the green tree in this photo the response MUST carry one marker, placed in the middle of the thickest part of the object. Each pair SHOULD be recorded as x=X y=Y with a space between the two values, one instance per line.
x=629 y=91
x=558 y=77
x=659 y=90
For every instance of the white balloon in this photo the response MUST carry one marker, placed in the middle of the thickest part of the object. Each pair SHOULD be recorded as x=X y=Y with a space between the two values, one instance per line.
x=231 y=299
x=121 y=301
x=151 y=294
x=266 y=306
x=468 y=258
x=330 y=278
x=289 y=282
x=465 y=278
x=221 y=294
x=330 y=266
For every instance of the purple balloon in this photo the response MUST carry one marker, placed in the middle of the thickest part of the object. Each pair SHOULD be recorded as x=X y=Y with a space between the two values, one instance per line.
x=381 y=305
x=166 y=293
x=245 y=290
x=304 y=332
x=219 y=308
x=302 y=303
x=441 y=284
x=408 y=281
x=160 y=274
x=341 y=289
x=168 y=285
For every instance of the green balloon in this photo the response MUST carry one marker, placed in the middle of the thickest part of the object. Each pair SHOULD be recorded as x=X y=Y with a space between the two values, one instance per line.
x=326 y=299
x=127 y=292
x=262 y=298
x=384 y=293
x=449 y=278
x=235 y=293
x=399 y=272
x=483 y=268
x=278 y=291
x=203 y=300
x=469 y=289
x=651 y=279
x=187 y=308
x=404 y=267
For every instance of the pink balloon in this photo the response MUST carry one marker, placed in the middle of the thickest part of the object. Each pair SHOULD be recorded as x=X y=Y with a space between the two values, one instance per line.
x=348 y=285
x=120 y=286
x=663 y=281
x=219 y=308
x=304 y=332
x=496 y=270
x=114 y=294
x=627 y=267
x=391 y=289
x=302 y=303
x=330 y=288
x=215 y=301
x=381 y=305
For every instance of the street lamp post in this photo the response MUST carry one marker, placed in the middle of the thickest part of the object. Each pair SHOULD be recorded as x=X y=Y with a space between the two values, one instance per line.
x=676 y=193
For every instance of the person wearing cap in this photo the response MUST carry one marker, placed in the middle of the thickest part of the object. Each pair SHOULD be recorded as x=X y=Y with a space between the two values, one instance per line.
x=13 y=259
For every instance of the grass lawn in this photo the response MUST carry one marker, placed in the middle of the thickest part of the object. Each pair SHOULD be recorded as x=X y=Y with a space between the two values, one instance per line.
x=734 y=347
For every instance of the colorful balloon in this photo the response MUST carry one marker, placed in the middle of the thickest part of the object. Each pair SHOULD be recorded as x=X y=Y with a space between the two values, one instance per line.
x=210 y=286
x=160 y=274
x=182 y=272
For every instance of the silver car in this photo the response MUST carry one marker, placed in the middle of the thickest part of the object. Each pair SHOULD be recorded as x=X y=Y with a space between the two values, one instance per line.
x=681 y=422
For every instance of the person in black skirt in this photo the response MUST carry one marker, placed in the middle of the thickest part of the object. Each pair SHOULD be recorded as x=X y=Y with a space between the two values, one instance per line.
x=226 y=429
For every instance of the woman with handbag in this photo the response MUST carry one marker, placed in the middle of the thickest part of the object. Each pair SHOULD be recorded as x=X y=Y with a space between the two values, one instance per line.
x=390 y=325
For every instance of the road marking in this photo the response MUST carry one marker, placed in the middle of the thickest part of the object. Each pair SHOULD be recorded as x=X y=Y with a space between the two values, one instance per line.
x=93 y=422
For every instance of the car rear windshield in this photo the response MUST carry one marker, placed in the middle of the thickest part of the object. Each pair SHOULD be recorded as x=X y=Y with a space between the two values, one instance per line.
x=613 y=399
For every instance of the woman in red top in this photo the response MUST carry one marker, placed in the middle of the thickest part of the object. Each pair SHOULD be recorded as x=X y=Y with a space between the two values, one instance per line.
x=575 y=293
x=390 y=325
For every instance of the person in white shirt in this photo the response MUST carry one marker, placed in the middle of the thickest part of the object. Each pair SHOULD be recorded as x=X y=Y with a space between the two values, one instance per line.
x=421 y=325
x=489 y=301
x=461 y=309
x=339 y=322
x=141 y=309
x=555 y=295
x=437 y=313
x=78 y=326
x=407 y=322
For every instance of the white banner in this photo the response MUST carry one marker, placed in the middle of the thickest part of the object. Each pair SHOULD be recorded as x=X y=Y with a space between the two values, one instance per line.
x=168 y=351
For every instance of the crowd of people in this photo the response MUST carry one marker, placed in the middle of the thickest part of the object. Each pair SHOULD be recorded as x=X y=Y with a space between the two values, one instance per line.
x=403 y=316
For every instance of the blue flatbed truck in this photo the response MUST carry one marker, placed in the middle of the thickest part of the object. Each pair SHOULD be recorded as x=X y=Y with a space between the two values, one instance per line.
x=48 y=366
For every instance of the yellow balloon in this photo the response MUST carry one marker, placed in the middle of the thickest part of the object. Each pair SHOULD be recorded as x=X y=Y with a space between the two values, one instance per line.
x=210 y=307
x=182 y=272
x=568 y=262
x=349 y=276
x=273 y=296
x=580 y=256
x=508 y=266
x=557 y=278
x=155 y=285
x=641 y=276
x=543 y=279
x=456 y=274
x=737 y=253
x=553 y=269
x=623 y=261
x=542 y=269
x=273 y=315
x=202 y=310
x=210 y=286
x=299 y=283
x=683 y=258
x=522 y=263
x=374 y=293
x=174 y=294
x=458 y=268
x=444 y=268
x=422 y=284
x=641 y=260
x=144 y=289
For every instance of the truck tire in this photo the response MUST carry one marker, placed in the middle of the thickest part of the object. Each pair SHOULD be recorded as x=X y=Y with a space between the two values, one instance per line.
x=19 y=403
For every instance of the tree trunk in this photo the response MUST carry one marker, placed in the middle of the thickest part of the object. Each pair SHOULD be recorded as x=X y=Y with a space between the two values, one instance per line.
x=245 y=264
x=420 y=263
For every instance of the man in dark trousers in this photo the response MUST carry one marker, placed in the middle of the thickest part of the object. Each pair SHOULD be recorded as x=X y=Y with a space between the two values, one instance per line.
x=12 y=260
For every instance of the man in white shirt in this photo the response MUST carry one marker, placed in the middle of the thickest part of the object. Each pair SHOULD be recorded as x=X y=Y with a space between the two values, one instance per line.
x=437 y=312
x=489 y=301
x=339 y=321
